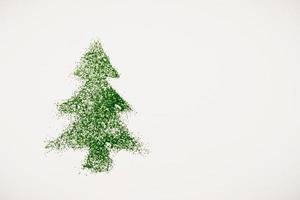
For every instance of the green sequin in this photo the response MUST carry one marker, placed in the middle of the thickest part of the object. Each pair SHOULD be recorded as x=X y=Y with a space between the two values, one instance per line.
x=96 y=109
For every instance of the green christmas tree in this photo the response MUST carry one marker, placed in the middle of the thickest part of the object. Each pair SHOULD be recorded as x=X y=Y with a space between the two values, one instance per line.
x=95 y=109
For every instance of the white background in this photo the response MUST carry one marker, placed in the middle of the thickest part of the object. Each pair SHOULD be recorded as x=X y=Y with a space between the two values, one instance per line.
x=214 y=84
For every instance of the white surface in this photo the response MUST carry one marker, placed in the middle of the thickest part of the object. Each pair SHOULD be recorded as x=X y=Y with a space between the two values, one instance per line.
x=215 y=85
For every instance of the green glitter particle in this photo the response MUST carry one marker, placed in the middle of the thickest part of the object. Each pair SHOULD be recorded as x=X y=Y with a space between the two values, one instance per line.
x=96 y=109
